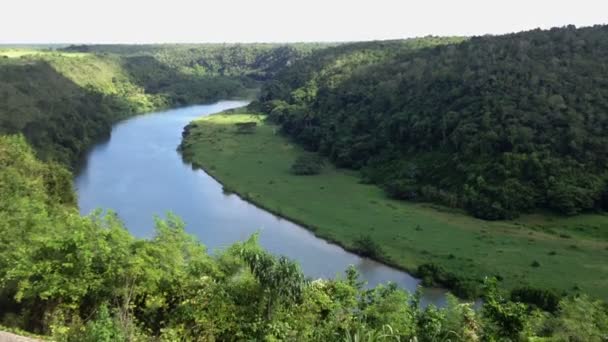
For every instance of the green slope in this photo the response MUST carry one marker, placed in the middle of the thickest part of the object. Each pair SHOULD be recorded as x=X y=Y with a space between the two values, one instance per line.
x=498 y=125
x=63 y=101
x=542 y=251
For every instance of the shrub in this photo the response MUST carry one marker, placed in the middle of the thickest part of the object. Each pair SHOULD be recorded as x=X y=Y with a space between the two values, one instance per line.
x=571 y=199
x=227 y=190
x=435 y=275
x=404 y=189
x=102 y=328
x=579 y=319
x=307 y=164
x=544 y=299
x=367 y=247
x=505 y=320
x=246 y=127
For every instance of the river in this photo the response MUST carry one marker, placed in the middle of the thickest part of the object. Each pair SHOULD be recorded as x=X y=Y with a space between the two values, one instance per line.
x=138 y=173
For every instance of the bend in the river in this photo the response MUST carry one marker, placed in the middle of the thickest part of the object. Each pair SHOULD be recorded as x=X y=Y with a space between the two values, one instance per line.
x=138 y=173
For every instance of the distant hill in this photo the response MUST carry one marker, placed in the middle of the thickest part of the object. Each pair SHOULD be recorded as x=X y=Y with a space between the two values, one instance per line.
x=63 y=100
x=498 y=125
x=259 y=61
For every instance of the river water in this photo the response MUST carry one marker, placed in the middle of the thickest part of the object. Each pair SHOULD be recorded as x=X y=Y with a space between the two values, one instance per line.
x=138 y=173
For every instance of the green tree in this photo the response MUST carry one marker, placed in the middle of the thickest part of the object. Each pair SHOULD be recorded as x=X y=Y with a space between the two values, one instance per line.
x=281 y=279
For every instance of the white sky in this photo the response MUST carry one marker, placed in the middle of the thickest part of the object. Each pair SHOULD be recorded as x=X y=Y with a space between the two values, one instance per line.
x=178 y=21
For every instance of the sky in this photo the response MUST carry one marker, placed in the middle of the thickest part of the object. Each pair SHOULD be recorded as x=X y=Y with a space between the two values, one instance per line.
x=189 y=21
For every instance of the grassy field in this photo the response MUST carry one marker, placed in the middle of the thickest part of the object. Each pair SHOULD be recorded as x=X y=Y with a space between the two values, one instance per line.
x=540 y=250
x=16 y=53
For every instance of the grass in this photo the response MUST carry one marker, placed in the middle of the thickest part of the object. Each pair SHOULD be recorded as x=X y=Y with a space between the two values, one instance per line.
x=568 y=253
x=103 y=74
x=17 y=53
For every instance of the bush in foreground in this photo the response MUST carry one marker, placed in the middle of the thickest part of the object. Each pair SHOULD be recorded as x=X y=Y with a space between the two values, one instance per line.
x=88 y=279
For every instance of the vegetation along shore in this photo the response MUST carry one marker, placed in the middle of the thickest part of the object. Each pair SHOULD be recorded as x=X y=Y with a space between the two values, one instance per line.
x=443 y=246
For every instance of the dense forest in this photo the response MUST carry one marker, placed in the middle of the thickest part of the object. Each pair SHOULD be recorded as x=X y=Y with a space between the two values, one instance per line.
x=77 y=278
x=498 y=125
x=62 y=100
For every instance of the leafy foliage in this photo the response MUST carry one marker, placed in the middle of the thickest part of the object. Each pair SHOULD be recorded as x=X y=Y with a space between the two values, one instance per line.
x=498 y=125
x=366 y=246
x=503 y=318
x=307 y=164
x=544 y=299
x=435 y=275
x=87 y=279
x=280 y=279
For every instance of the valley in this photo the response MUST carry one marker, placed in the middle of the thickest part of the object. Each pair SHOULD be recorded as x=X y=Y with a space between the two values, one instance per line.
x=335 y=205
x=439 y=188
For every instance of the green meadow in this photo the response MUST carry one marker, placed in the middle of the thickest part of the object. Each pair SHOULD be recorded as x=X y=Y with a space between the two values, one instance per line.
x=17 y=53
x=542 y=250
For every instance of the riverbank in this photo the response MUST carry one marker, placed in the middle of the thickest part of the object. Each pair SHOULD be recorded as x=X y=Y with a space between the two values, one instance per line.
x=542 y=251
x=64 y=102
x=139 y=175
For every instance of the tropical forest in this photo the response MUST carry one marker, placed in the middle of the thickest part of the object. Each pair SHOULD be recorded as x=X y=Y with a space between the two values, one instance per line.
x=425 y=188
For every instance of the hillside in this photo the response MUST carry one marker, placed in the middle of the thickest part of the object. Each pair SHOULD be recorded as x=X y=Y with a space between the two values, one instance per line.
x=64 y=100
x=259 y=61
x=443 y=247
x=64 y=103
x=499 y=125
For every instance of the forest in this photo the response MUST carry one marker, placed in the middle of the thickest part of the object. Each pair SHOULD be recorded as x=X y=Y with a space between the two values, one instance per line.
x=75 y=278
x=497 y=125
